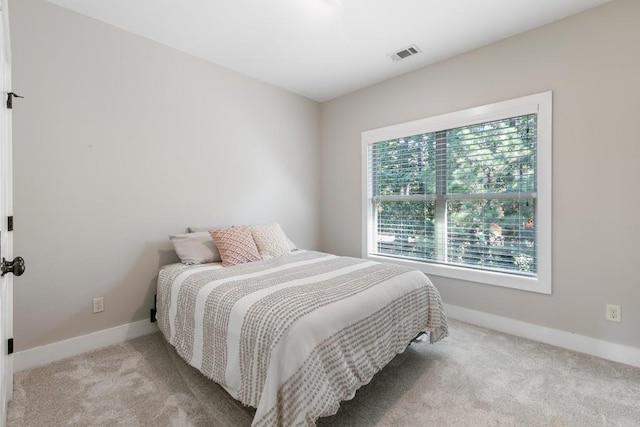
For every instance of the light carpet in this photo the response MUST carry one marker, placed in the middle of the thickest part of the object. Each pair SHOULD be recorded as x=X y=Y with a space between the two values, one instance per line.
x=475 y=377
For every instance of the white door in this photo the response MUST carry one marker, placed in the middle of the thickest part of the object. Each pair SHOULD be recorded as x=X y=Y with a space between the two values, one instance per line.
x=6 y=209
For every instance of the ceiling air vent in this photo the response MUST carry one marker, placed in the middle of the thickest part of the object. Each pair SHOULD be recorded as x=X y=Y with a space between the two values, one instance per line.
x=404 y=53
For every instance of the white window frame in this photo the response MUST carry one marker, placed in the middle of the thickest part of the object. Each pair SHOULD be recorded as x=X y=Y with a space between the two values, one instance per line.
x=540 y=104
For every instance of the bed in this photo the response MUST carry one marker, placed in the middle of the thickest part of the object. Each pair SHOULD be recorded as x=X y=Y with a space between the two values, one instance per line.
x=294 y=335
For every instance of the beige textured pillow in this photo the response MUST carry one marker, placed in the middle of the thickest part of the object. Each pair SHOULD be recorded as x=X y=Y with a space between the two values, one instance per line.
x=270 y=240
x=236 y=245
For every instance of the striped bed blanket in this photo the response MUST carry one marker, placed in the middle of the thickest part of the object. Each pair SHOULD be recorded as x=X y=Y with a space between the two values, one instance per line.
x=294 y=336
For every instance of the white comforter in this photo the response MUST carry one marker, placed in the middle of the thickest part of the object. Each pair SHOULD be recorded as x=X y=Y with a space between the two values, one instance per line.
x=294 y=336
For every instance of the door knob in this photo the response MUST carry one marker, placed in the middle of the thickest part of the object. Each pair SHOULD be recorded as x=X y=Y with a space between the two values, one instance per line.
x=16 y=266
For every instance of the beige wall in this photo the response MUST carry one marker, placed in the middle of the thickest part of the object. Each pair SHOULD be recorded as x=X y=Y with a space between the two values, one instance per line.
x=121 y=141
x=590 y=62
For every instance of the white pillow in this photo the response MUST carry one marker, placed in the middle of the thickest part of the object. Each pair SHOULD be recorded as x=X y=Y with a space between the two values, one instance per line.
x=292 y=246
x=270 y=240
x=195 y=248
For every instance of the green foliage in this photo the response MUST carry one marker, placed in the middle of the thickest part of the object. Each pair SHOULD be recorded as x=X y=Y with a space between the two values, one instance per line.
x=405 y=166
x=492 y=233
x=495 y=157
x=407 y=228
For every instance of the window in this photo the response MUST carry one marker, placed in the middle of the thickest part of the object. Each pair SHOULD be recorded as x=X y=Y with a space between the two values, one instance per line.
x=464 y=195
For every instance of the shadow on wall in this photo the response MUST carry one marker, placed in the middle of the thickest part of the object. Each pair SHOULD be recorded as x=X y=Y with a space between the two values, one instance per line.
x=165 y=256
x=135 y=292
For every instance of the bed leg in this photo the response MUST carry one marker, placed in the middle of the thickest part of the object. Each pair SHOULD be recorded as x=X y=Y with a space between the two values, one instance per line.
x=152 y=313
x=422 y=336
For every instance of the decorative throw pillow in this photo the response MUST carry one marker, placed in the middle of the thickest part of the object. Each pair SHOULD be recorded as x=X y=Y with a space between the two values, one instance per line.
x=270 y=240
x=236 y=245
x=195 y=248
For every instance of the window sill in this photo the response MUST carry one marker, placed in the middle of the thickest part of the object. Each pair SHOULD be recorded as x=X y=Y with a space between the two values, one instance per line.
x=505 y=280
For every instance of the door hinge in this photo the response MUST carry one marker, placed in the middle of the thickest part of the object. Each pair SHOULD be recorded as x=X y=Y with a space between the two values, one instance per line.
x=10 y=223
x=10 y=97
x=10 y=346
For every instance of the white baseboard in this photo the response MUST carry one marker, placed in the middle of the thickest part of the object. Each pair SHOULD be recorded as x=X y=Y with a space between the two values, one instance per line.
x=62 y=349
x=580 y=343
x=607 y=350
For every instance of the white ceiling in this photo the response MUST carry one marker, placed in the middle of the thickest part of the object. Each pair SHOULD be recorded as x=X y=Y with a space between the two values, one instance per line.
x=322 y=49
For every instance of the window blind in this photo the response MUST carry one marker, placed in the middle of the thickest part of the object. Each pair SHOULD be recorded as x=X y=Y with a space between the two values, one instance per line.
x=463 y=196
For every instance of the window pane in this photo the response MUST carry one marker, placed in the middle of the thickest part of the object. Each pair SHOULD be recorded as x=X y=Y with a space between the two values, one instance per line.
x=406 y=229
x=492 y=157
x=403 y=166
x=492 y=234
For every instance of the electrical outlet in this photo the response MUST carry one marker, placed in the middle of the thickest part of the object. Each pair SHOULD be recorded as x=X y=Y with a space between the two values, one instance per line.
x=613 y=313
x=98 y=305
